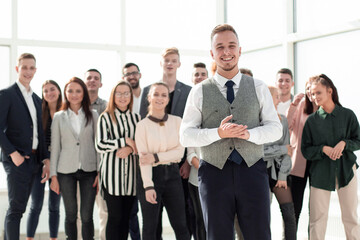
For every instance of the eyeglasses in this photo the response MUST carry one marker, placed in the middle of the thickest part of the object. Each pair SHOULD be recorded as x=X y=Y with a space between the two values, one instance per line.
x=122 y=94
x=131 y=73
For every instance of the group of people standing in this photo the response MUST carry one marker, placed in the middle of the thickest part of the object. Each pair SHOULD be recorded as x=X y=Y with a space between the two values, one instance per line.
x=208 y=154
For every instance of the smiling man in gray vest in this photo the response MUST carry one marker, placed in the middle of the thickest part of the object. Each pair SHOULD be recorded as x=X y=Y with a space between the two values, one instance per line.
x=230 y=116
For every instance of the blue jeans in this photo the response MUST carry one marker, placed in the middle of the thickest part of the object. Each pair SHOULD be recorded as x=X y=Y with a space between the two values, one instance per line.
x=68 y=188
x=37 y=199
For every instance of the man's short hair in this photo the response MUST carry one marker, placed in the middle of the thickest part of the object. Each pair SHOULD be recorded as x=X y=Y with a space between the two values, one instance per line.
x=26 y=56
x=222 y=28
x=168 y=51
x=286 y=71
x=199 y=65
x=95 y=70
x=130 y=65
x=246 y=71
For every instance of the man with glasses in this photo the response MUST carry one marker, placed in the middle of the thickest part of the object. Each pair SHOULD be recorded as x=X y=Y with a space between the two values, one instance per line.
x=131 y=74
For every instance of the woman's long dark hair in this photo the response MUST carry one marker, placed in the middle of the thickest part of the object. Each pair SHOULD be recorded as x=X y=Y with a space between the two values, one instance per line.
x=326 y=81
x=85 y=103
x=45 y=104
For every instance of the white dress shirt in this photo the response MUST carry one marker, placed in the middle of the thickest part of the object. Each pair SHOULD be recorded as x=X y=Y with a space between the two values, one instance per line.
x=136 y=104
x=31 y=106
x=191 y=135
x=76 y=119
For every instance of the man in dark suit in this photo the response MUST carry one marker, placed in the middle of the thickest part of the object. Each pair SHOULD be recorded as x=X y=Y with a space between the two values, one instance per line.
x=22 y=142
x=179 y=92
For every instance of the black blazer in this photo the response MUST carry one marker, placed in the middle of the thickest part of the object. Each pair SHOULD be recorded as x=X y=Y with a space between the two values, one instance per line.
x=181 y=93
x=16 y=126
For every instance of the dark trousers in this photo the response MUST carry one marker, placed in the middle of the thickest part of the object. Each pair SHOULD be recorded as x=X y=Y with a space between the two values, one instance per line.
x=119 y=209
x=68 y=188
x=19 y=183
x=200 y=232
x=168 y=187
x=298 y=185
x=134 y=227
x=235 y=189
x=37 y=199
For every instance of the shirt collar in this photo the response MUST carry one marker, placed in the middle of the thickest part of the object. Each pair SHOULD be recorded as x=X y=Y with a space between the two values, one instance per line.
x=222 y=80
x=118 y=111
x=323 y=114
x=80 y=112
x=160 y=121
x=97 y=101
x=23 y=88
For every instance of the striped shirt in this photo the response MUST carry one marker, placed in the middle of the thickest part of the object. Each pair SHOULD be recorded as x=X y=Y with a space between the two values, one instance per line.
x=117 y=176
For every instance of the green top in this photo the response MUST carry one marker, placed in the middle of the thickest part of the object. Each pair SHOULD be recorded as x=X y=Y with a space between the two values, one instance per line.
x=327 y=129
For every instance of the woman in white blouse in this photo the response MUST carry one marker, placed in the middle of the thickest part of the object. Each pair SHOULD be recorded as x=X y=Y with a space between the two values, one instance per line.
x=118 y=165
x=74 y=159
x=157 y=141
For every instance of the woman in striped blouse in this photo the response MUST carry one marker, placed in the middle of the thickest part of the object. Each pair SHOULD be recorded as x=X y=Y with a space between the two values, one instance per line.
x=118 y=165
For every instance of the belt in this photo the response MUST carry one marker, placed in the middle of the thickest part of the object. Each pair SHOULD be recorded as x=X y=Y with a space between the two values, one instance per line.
x=33 y=151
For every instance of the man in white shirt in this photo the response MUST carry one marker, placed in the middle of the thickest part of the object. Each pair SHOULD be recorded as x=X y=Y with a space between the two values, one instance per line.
x=284 y=82
x=131 y=74
x=230 y=116
x=22 y=142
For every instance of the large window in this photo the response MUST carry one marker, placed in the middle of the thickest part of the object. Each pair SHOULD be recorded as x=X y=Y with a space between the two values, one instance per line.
x=61 y=64
x=4 y=67
x=258 y=21
x=90 y=21
x=184 y=24
x=338 y=57
x=322 y=15
x=5 y=18
x=263 y=63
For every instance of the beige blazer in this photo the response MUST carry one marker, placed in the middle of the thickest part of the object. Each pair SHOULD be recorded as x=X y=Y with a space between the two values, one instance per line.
x=70 y=151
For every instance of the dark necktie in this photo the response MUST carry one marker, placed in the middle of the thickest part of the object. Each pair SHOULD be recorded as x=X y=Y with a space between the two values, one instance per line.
x=235 y=155
x=230 y=91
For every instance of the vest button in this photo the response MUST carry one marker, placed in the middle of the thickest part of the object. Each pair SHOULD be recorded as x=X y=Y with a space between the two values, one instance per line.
x=230 y=148
x=231 y=107
x=78 y=144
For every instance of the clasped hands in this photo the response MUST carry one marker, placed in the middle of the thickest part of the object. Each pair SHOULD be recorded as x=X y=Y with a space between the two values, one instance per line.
x=334 y=152
x=232 y=130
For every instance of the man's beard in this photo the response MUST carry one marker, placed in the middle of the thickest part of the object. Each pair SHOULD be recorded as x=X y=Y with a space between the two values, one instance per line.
x=135 y=86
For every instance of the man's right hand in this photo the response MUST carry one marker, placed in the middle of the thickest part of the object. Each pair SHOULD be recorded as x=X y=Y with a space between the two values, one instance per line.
x=17 y=158
x=231 y=130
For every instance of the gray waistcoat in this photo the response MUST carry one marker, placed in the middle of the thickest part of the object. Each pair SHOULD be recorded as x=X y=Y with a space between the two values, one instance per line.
x=245 y=110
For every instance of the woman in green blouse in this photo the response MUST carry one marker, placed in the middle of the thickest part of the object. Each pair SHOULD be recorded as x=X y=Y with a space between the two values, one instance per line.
x=330 y=137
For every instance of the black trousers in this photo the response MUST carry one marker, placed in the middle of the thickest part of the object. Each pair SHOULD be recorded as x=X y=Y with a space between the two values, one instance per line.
x=119 y=209
x=235 y=189
x=298 y=185
x=200 y=232
x=19 y=183
x=168 y=187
